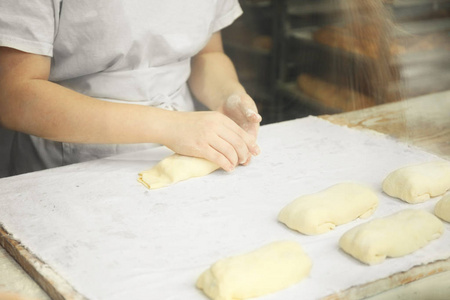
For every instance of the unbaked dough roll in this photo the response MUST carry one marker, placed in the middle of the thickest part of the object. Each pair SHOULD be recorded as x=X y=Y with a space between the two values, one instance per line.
x=442 y=208
x=393 y=236
x=175 y=168
x=266 y=270
x=417 y=183
x=323 y=211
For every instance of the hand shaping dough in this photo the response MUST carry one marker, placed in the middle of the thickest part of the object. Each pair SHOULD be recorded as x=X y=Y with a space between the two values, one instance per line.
x=323 y=211
x=396 y=235
x=417 y=183
x=442 y=208
x=266 y=270
x=175 y=168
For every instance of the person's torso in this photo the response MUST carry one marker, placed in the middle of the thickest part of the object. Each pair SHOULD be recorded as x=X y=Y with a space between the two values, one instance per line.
x=133 y=51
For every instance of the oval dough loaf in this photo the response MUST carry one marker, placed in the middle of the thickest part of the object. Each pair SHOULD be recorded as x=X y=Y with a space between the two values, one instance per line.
x=175 y=168
x=442 y=208
x=393 y=236
x=323 y=211
x=417 y=183
x=266 y=270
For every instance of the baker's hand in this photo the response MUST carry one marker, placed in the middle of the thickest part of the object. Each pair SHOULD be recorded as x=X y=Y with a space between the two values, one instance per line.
x=242 y=110
x=210 y=135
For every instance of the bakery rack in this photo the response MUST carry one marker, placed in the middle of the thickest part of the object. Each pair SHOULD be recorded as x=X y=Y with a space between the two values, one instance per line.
x=276 y=41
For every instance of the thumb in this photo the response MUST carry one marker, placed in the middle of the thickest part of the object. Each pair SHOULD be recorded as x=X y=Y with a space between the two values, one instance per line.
x=251 y=115
x=248 y=109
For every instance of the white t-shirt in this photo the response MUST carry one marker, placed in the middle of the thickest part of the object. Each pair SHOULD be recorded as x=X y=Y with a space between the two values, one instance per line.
x=132 y=51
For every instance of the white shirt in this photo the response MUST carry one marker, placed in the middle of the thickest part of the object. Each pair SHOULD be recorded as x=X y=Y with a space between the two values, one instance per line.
x=132 y=51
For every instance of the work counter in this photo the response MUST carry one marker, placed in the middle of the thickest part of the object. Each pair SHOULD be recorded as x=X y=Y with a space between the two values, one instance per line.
x=420 y=129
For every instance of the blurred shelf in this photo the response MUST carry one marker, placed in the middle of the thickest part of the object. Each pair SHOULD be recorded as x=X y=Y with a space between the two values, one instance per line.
x=291 y=90
x=287 y=46
x=257 y=3
x=400 y=8
x=232 y=45
x=421 y=27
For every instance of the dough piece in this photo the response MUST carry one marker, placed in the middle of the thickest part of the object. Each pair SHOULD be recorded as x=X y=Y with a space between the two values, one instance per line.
x=323 y=211
x=417 y=183
x=393 y=236
x=175 y=168
x=266 y=270
x=442 y=208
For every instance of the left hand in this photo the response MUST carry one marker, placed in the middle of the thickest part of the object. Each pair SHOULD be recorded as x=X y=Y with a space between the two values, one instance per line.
x=242 y=110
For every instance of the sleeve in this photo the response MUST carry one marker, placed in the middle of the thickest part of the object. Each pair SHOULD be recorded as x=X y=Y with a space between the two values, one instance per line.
x=226 y=12
x=29 y=25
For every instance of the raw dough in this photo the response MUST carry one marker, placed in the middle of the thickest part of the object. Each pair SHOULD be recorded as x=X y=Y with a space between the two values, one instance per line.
x=266 y=270
x=442 y=208
x=321 y=212
x=175 y=168
x=417 y=183
x=395 y=235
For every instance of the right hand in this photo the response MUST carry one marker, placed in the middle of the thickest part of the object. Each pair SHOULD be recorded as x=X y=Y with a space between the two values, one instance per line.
x=210 y=135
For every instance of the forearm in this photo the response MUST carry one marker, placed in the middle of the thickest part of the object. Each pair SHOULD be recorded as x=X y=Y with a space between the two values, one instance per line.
x=48 y=110
x=214 y=79
x=45 y=109
x=31 y=104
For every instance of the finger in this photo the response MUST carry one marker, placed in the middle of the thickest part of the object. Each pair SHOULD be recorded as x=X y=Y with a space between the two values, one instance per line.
x=253 y=129
x=248 y=109
x=247 y=162
x=249 y=139
x=251 y=115
x=218 y=158
x=238 y=144
x=226 y=149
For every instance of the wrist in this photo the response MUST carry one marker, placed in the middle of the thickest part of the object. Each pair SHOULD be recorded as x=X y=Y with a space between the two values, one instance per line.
x=160 y=125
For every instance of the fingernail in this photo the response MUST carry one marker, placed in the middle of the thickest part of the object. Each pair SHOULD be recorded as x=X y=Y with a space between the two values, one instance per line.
x=250 y=112
x=253 y=114
x=246 y=160
x=256 y=150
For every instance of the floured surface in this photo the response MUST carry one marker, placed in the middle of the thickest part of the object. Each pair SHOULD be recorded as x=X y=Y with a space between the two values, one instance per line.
x=112 y=238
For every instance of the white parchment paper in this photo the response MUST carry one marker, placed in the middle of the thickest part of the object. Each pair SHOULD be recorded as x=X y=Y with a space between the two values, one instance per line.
x=111 y=238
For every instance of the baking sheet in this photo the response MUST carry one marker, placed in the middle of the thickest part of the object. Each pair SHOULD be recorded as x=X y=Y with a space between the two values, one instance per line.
x=111 y=238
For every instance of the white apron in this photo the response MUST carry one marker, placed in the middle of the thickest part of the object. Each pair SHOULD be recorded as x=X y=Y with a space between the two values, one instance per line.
x=129 y=51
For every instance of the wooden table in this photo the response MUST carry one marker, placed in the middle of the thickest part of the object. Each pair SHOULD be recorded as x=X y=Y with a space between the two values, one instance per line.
x=423 y=122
